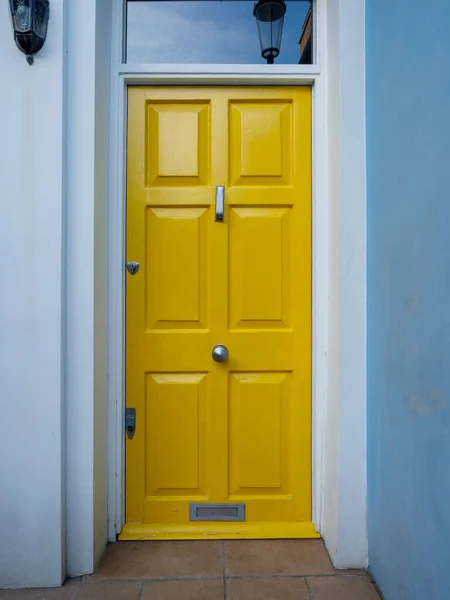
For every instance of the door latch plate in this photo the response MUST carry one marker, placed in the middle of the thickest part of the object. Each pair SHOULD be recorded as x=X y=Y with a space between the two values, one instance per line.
x=132 y=267
x=130 y=422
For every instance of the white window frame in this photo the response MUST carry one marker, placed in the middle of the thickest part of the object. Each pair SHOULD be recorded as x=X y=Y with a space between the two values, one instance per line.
x=326 y=471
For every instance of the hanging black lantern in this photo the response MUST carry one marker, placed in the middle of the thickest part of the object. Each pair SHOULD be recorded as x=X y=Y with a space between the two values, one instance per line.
x=29 y=21
x=269 y=15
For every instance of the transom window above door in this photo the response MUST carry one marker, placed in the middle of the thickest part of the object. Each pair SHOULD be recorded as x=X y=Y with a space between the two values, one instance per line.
x=219 y=32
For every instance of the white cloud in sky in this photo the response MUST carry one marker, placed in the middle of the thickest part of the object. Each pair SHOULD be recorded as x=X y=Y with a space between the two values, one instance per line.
x=204 y=32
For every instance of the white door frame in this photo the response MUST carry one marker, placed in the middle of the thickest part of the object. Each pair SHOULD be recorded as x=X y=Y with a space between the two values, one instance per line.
x=338 y=232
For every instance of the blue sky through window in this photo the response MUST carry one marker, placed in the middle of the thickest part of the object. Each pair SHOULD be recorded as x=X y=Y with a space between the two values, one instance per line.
x=206 y=31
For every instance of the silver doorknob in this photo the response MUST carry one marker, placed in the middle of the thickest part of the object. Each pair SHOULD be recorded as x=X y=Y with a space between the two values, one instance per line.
x=220 y=353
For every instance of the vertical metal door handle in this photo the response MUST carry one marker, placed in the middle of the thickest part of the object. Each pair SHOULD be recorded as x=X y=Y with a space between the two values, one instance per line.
x=220 y=201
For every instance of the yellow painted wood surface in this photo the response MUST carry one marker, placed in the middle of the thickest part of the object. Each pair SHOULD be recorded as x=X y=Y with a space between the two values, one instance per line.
x=218 y=531
x=239 y=431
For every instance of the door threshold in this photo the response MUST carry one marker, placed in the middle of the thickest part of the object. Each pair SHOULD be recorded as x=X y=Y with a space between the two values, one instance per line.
x=218 y=531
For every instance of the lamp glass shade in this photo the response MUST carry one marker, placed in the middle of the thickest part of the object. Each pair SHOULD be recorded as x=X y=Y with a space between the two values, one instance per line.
x=29 y=20
x=269 y=15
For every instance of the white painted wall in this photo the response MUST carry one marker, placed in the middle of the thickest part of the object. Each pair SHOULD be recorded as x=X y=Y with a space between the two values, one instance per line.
x=88 y=68
x=31 y=252
x=53 y=234
x=344 y=521
x=102 y=123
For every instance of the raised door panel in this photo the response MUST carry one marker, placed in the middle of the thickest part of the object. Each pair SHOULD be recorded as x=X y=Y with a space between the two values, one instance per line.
x=177 y=278
x=259 y=275
x=176 y=436
x=259 y=433
x=178 y=142
x=260 y=143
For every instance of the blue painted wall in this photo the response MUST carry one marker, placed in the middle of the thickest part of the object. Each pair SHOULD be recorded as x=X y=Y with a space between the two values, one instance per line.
x=408 y=161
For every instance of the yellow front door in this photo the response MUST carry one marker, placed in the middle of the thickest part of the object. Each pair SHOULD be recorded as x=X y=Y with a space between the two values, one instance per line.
x=220 y=449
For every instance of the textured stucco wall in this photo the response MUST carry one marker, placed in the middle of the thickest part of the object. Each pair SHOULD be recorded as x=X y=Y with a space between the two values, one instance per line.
x=408 y=165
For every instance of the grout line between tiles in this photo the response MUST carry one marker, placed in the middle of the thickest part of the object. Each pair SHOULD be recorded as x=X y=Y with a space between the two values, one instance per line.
x=224 y=567
x=224 y=577
x=302 y=576
x=310 y=592
x=352 y=574
x=150 y=579
x=75 y=593
x=141 y=590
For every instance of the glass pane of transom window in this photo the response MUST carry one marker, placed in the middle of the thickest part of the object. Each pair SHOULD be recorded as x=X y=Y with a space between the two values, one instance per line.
x=215 y=32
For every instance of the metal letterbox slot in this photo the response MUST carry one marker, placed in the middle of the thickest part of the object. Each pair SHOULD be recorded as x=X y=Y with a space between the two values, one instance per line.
x=217 y=512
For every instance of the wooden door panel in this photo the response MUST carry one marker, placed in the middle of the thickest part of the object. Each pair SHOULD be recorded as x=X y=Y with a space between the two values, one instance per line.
x=176 y=426
x=260 y=143
x=177 y=268
x=177 y=144
x=259 y=279
x=259 y=433
x=237 y=432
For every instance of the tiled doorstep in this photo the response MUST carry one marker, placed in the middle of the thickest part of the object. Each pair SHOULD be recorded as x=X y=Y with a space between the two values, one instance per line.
x=160 y=560
x=326 y=587
x=277 y=557
x=210 y=559
x=212 y=570
x=353 y=587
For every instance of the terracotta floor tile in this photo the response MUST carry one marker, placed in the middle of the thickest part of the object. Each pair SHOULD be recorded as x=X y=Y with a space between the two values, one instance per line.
x=342 y=588
x=105 y=590
x=66 y=592
x=277 y=557
x=183 y=590
x=165 y=560
x=289 y=588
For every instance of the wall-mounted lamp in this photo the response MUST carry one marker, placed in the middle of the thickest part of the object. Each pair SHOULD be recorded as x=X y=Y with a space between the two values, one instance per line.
x=269 y=15
x=29 y=20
